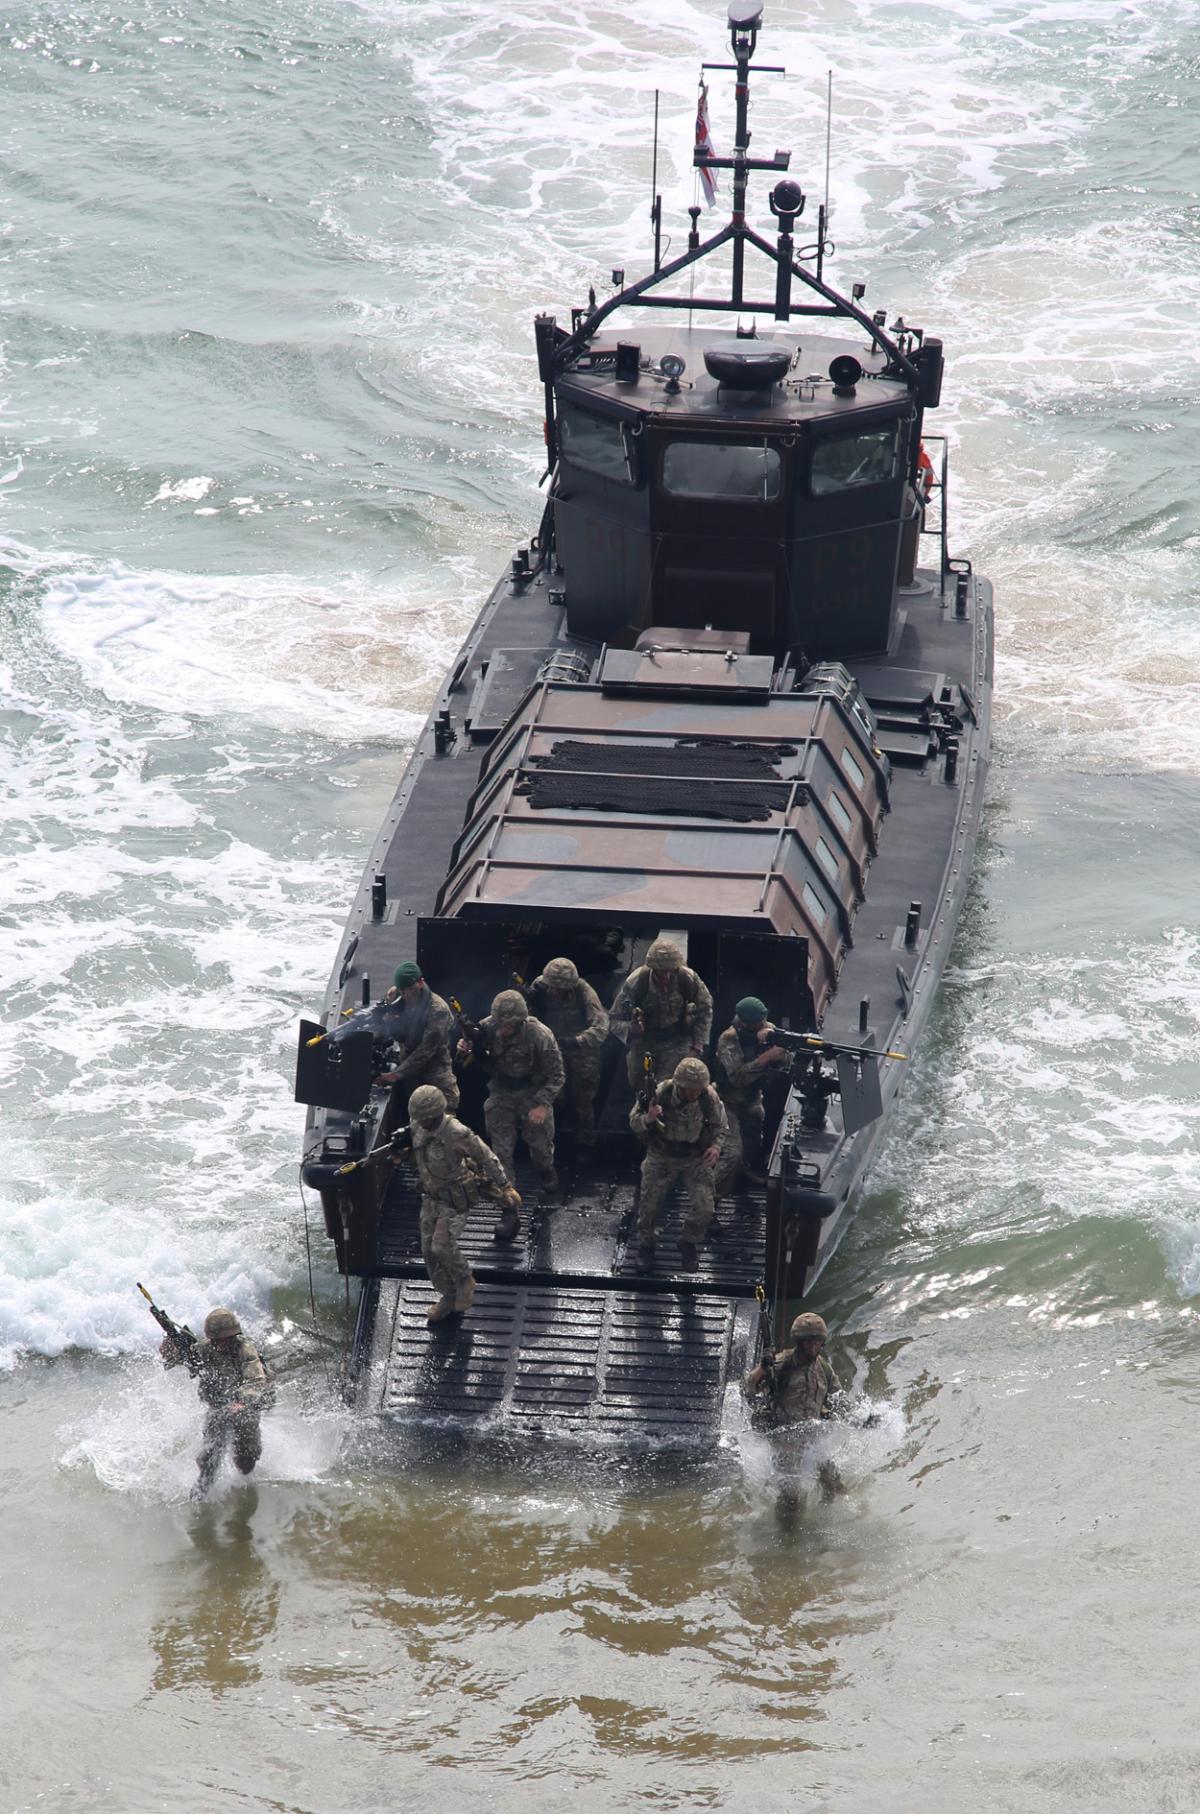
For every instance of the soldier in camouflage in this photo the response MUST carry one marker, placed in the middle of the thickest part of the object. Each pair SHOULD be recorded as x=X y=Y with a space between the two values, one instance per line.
x=743 y=1058
x=527 y=1073
x=803 y=1387
x=453 y=1164
x=567 y=1004
x=421 y=1039
x=233 y=1384
x=684 y=1127
x=663 y=1009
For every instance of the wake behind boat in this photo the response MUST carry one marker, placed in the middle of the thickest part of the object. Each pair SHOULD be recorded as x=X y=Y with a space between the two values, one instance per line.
x=718 y=706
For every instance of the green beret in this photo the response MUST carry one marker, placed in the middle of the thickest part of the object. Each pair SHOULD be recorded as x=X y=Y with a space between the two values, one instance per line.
x=751 y=1010
x=410 y=973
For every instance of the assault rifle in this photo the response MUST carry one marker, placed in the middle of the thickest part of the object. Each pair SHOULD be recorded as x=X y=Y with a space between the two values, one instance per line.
x=649 y=1083
x=468 y=1030
x=400 y=1143
x=179 y=1333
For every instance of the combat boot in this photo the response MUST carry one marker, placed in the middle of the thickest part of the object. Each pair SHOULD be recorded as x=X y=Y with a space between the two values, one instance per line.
x=466 y=1297
x=437 y=1313
x=689 y=1256
x=548 y=1181
x=508 y=1227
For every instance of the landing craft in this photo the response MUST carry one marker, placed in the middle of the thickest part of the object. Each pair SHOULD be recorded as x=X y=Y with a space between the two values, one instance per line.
x=737 y=691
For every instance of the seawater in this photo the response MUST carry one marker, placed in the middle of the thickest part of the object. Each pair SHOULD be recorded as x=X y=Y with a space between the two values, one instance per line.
x=271 y=424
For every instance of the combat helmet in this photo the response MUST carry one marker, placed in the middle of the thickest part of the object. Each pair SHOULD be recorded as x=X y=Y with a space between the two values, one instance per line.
x=809 y=1327
x=510 y=1004
x=426 y=1102
x=220 y=1324
x=691 y=1074
x=663 y=955
x=560 y=973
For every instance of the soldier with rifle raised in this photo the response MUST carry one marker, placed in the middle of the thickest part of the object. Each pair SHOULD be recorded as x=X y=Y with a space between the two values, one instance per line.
x=232 y=1381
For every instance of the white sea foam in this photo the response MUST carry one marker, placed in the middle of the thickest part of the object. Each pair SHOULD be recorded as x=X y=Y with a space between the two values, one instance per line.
x=144 y=1439
x=351 y=661
x=1077 y=1099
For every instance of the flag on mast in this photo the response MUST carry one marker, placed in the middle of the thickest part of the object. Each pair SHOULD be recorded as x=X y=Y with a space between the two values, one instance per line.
x=704 y=144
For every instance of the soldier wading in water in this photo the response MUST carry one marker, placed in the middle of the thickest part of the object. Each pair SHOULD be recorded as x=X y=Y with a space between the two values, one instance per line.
x=233 y=1384
x=802 y=1388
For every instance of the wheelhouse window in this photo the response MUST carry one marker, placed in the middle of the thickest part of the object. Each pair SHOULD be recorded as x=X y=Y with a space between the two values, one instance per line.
x=741 y=471
x=597 y=443
x=842 y=462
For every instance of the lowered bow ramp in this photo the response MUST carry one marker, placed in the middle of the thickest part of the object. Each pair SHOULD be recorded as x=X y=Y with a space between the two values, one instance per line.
x=547 y=1360
x=571 y=1330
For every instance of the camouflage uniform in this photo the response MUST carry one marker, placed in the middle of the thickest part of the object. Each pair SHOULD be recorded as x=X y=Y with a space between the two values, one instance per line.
x=527 y=1073
x=226 y=1376
x=675 y=1018
x=802 y=1389
x=579 y=1023
x=451 y=1162
x=676 y=1145
x=799 y=1402
x=740 y=1087
x=421 y=1045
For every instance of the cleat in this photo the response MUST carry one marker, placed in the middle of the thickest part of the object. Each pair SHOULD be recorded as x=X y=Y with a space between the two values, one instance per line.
x=437 y=1313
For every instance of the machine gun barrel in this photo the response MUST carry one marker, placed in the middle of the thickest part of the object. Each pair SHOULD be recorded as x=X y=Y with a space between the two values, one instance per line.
x=806 y=1043
x=379 y=1020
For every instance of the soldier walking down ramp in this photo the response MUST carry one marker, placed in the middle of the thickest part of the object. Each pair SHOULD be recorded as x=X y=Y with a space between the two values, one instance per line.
x=663 y=1008
x=452 y=1162
x=233 y=1384
x=744 y=1056
x=527 y=1073
x=684 y=1128
x=421 y=1036
x=802 y=1386
x=574 y=1013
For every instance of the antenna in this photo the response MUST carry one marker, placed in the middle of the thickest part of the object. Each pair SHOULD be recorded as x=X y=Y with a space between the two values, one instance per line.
x=828 y=131
x=655 y=197
x=823 y=217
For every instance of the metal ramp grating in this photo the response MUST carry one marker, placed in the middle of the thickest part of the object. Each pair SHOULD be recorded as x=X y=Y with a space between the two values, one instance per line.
x=546 y=1359
x=588 y=1238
